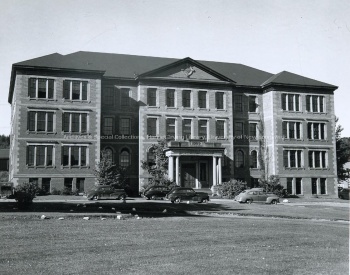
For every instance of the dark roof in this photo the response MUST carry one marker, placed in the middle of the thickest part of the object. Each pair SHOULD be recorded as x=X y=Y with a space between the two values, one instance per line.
x=287 y=78
x=128 y=66
x=4 y=153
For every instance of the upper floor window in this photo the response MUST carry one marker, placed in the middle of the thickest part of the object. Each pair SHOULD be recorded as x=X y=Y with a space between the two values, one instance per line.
x=220 y=129
x=186 y=128
x=238 y=103
x=315 y=103
x=292 y=158
x=152 y=126
x=39 y=121
x=125 y=158
x=203 y=129
x=253 y=131
x=125 y=97
x=40 y=155
x=75 y=89
x=291 y=129
x=316 y=130
x=170 y=98
x=125 y=126
x=252 y=104
x=74 y=155
x=202 y=99
x=186 y=98
x=152 y=97
x=239 y=159
x=253 y=159
x=74 y=122
x=317 y=159
x=108 y=96
x=41 y=88
x=239 y=129
x=291 y=102
x=170 y=128
x=107 y=126
x=219 y=100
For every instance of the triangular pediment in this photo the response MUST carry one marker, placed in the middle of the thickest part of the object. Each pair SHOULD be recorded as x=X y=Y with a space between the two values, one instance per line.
x=186 y=69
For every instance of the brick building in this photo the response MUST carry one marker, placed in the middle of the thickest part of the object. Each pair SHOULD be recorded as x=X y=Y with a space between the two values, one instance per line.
x=221 y=120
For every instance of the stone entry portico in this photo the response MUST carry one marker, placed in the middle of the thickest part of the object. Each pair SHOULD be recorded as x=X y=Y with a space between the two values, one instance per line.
x=204 y=156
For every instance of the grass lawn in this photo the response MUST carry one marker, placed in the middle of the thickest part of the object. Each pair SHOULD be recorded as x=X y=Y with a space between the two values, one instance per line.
x=173 y=245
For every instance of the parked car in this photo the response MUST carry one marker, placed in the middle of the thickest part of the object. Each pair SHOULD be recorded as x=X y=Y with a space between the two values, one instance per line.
x=257 y=195
x=186 y=194
x=155 y=191
x=344 y=194
x=105 y=192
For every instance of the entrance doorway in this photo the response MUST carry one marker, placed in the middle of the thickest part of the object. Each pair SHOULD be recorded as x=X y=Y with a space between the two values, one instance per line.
x=188 y=175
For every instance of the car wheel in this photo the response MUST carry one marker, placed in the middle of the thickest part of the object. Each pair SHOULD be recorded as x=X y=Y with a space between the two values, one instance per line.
x=96 y=198
x=153 y=197
x=177 y=200
x=204 y=200
x=274 y=202
x=249 y=201
x=121 y=197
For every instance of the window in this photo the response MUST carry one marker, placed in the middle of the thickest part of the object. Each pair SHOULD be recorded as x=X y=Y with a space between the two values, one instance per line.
x=34 y=181
x=298 y=186
x=75 y=89
x=45 y=184
x=80 y=184
x=152 y=97
x=239 y=129
x=39 y=121
x=107 y=126
x=108 y=96
x=294 y=186
x=74 y=122
x=239 y=103
x=219 y=100
x=239 y=160
x=318 y=186
x=170 y=128
x=291 y=130
x=40 y=155
x=316 y=130
x=318 y=159
x=220 y=129
x=187 y=129
x=125 y=97
x=253 y=159
x=252 y=131
x=74 y=156
x=125 y=158
x=152 y=127
x=202 y=129
x=68 y=183
x=292 y=158
x=125 y=126
x=186 y=98
x=252 y=104
x=291 y=102
x=315 y=103
x=170 y=98
x=202 y=99
x=41 y=88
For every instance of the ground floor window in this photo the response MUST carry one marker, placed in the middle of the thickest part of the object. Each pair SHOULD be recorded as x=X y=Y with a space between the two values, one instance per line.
x=294 y=186
x=68 y=183
x=34 y=181
x=80 y=184
x=318 y=186
x=45 y=184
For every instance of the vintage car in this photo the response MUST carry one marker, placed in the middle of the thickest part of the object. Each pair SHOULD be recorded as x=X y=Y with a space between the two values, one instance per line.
x=344 y=194
x=105 y=192
x=257 y=195
x=155 y=191
x=186 y=194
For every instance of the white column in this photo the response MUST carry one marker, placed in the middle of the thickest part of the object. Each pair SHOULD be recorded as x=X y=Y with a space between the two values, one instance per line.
x=214 y=171
x=177 y=164
x=171 y=168
x=220 y=171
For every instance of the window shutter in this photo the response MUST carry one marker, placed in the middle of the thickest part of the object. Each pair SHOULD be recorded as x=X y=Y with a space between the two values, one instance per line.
x=84 y=91
x=285 y=158
x=65 y=122
x=31 y=121
x=83 y=123
x=66 y=89
x=308 y=103
x=321 y=104
x=284 y=129
x=297 y=102
x=50 y=122
x=32 y=87
x=49 y=156
x=283 y=98
x=51 y=88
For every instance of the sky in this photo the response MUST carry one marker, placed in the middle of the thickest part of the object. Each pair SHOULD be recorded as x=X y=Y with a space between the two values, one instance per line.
x=310 y=38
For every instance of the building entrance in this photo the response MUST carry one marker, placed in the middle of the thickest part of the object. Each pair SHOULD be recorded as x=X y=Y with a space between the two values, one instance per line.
x=188 y=175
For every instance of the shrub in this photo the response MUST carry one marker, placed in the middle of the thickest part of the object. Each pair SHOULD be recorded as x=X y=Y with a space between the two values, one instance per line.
x=67 y=191
x=231 y=188
x=54 y=191
x=272 y=185
x=25 y=193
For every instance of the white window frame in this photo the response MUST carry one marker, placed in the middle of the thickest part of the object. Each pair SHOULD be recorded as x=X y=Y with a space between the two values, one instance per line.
x=176 y=126
x=80 y=121
x=46 y=120
x=296 y=158
x=81 y=90
x=294 y=102
x=45 y=160
x=295 y=129
x=319 y=130
x=322 y=165
x=225 y=127
x=69 y=154
x=47 y=88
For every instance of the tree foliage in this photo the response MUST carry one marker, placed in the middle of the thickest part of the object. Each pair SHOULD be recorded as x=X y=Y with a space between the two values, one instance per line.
x=272 y=185
x=159 y=168
x=108 y=173
x=4 y=142
x=231 y=188
x=343 y=152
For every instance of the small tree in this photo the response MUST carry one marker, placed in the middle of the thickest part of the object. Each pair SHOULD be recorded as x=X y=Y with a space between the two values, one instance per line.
x=25 y=193
x=108 y=173
x=343 y=152
x=159 y=168
x=272 y=185
x=231 y=188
